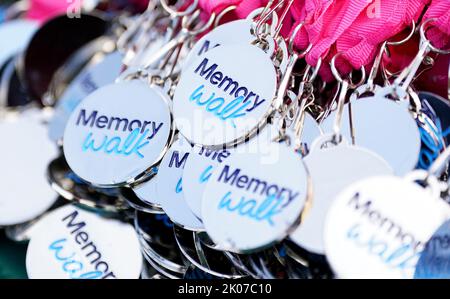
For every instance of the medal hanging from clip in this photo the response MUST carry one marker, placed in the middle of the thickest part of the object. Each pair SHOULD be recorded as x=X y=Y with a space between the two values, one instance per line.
x=332 y=162
x=428 y=122
x=120 y=132
x=376 y=227
x=344 y=164
x=248 y=203
x=57 y=251
x=225 y=95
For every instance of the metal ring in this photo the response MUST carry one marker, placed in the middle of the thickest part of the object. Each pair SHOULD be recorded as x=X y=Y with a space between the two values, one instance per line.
x=338 y=76
x=411 y=34
x=175 y=13
x=222 y=14
x=185 y=23
x=291 y=42
x=425 y=39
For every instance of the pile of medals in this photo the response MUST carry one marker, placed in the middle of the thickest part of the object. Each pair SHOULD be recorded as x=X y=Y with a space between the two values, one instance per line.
x=227 y=139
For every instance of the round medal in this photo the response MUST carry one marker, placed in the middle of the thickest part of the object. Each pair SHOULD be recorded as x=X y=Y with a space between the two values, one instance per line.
x=71 y=243
x=250 y=203
x=377 y=228
x=225 y=95
x=118 y=133
x=26 y=153
x=332 y=169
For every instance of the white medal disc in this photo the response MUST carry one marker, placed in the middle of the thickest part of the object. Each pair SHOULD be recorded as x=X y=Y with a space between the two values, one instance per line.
x=71 y=243
x=117 y=133
x=249 y=204
x=332 y=169
x=170 y=186
x=14 y=37
x=89 y=80
x=235 y=32
x=384 y=127
x=377 y=228
x=26 y=152
x=225 y=95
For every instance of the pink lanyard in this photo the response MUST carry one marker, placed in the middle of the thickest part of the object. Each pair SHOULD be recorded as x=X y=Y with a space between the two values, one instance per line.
x=43 y=10
x=355 y=28
x=242 y=10
x=439 y=35
x=361 y=41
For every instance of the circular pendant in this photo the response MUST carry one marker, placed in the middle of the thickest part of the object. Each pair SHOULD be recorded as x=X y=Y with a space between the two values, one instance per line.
x=235 y=32
x=377 y=227
x=26 y=153
x=88 y=81
x=71 y=243
x=225 y=95
x=170 y=186
x=384 y=127
x=332 y=169
x=118 y=133
x=251 y=202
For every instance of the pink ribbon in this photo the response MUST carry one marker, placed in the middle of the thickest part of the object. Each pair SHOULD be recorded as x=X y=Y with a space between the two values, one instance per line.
x=360 y=42
x=243 y=9
x=43 y=10
x=439 y=34
x=355 y=28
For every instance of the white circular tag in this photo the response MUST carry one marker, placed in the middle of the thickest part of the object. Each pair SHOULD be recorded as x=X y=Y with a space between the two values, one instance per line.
x=235 y=32
x=26 y=152
x=384 y=127
x=117 y=133
x=71 y=243
x=224 y=95
x=170 y=186
x=249 y=203
x=377 y=228
x=332 y=169
x=14 y=37
x=89 y=80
